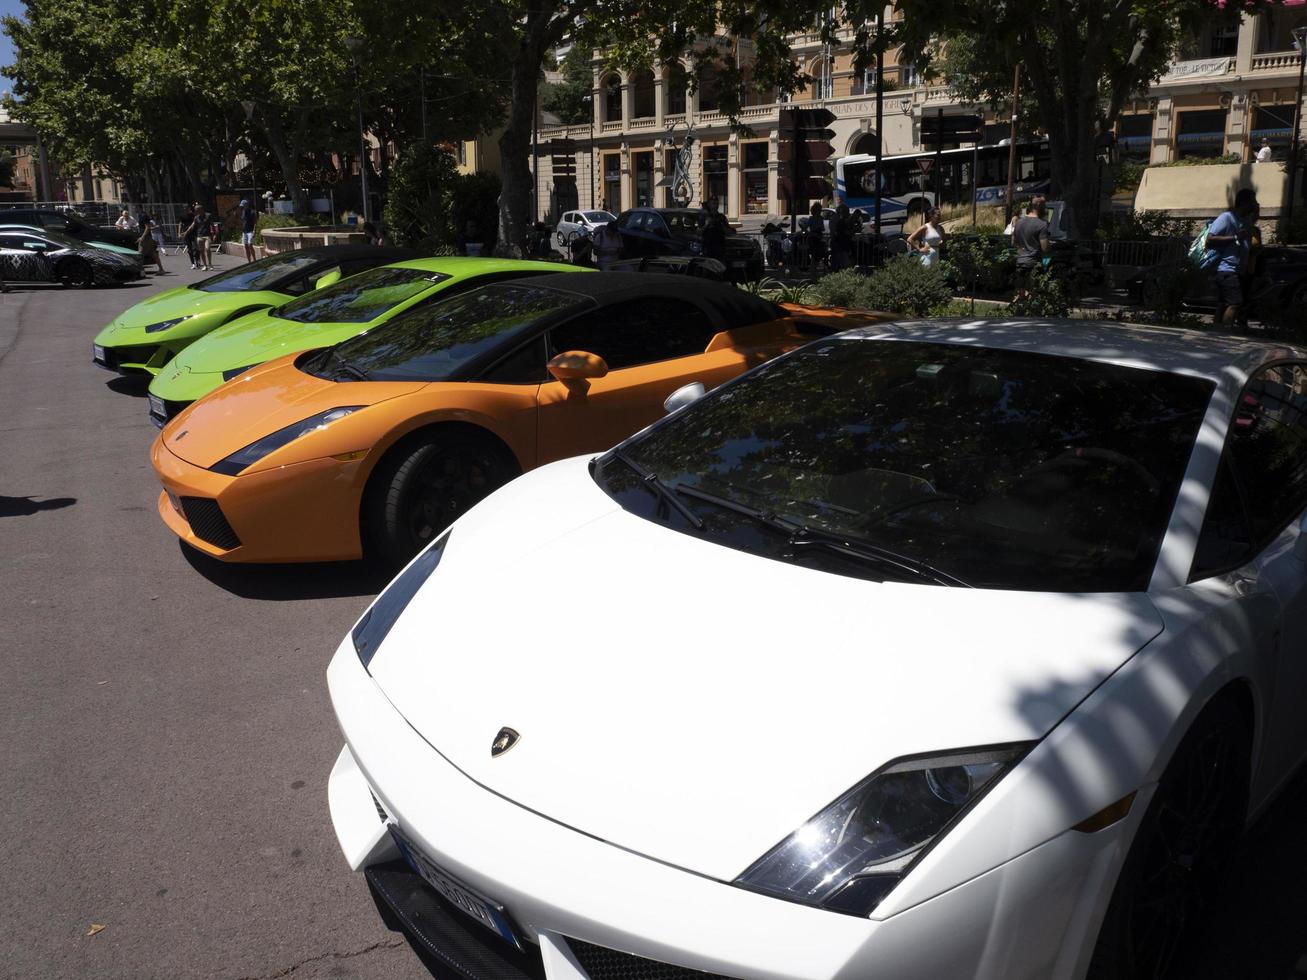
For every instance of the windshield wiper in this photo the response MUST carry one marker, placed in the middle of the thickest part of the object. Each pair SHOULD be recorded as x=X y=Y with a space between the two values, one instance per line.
x=800 y=535
x=661 y=489
x=347 y=368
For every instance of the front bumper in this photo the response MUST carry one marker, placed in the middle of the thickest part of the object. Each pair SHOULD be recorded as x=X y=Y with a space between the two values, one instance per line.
x=303 y=512
x=131 y=358
x=1036 y=916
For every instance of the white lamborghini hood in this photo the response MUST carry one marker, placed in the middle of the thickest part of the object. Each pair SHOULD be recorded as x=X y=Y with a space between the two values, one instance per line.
x=697 y=704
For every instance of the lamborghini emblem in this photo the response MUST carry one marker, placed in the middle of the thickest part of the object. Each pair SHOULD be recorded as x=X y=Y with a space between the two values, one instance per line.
x=504 y=741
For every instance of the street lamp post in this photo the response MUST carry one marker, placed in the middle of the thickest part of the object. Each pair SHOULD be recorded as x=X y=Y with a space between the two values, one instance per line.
x=355 y=45
x=1299 y=42
x=254 y=169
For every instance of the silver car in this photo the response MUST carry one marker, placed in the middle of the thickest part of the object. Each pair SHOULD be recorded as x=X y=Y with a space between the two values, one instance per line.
x=583 y=222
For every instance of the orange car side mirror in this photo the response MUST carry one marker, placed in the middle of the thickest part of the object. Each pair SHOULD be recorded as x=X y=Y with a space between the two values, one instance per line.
x=575 y=365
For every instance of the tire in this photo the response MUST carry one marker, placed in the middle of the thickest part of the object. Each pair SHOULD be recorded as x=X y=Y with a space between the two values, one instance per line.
x=76 y=273
x=1181 y=851
x=423 y=486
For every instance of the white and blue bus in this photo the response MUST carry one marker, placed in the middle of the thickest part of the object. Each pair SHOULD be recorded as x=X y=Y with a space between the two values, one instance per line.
x=908 y=181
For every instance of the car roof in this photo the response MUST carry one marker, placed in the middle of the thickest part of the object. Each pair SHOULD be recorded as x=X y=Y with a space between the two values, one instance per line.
x=1223 y=359
x=729 y=306
x=464 y=265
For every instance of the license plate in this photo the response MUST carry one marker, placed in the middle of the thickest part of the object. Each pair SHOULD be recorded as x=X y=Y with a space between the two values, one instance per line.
x=157 y=407
x=98 y=353
x=466 y=900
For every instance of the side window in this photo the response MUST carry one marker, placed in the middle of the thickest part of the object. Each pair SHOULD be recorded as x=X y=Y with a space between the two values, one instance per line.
x=11 y=242
x=526 y=365
x=625 y=222
x=1226 y=541
x=655 y=225
x=637 y=332
x=1267 y=448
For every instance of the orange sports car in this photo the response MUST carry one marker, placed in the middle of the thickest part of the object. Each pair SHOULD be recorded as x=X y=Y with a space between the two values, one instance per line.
x=376 y=444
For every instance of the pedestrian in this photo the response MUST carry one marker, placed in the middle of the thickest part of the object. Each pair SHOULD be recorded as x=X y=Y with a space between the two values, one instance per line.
x=841 y=238
x=928 y=238
x=607 y=245
x=203 y=237
x=156 y=230
x=189 y=233
x=1252 y=266
x=1265 y=153
x=249 y=224
x=712 y=230
x=1227 y=251
x=816 y=237
x=1033 y=243
x=773 y=234
x=149 y=247
x=126 y=222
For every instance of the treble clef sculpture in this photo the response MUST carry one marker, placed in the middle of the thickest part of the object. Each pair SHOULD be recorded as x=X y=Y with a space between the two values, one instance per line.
x=679 y=180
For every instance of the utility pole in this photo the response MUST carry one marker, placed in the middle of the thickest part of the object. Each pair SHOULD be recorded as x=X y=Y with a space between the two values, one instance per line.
x=1300 y=41
x=1012 y=145
x=355 y=45
x=880 y=113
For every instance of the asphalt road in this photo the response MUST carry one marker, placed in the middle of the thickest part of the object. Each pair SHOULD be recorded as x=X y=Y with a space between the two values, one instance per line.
x=166 y=732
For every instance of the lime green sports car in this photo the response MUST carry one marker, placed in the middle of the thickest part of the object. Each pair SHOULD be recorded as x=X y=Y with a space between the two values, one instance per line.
x=321 y=319
x=145 y=337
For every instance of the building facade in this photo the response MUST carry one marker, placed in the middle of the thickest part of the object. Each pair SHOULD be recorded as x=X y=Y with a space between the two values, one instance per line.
x=1234 y=90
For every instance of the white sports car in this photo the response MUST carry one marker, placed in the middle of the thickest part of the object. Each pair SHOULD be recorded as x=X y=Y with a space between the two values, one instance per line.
x=957 y=649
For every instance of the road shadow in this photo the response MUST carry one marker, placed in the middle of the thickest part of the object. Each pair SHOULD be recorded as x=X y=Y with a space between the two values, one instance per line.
x=289 y=582
x=27 y=506
x=135 y=385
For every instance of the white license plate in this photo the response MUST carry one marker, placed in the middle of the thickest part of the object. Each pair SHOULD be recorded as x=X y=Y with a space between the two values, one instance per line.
x=98 y=353
x=157 y=407
x=489 y=914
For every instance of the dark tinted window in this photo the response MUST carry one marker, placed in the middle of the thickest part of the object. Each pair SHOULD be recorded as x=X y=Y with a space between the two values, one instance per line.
x=1003 y=469
x=1267 y=447
x=526 y=365
x=266 y=273
x=637 y=332
x=1226 y=541
x=359 y=298
x=434 y=343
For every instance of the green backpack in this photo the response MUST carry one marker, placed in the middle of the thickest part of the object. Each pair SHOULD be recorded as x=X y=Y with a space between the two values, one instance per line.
x=1200 y=256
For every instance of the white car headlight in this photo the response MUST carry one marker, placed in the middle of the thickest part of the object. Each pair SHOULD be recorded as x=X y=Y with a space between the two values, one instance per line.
x=851 y=855
x=255 y=451
x=394 y=599
x=163 y=325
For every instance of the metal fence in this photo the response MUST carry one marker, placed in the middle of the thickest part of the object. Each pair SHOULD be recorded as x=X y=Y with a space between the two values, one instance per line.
x=107 y=212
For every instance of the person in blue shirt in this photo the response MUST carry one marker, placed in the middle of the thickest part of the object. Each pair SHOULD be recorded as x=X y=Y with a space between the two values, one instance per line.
x=1228 y=238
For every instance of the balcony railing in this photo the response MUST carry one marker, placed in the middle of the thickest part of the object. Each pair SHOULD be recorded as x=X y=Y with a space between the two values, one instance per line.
x=1278 y=61
x=642 y=122
x=615 y=126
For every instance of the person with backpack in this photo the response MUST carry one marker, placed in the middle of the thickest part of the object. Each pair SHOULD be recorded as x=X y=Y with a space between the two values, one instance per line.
x=1226 y=252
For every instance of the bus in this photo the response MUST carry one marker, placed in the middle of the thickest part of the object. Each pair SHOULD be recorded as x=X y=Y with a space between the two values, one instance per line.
x=910 y=182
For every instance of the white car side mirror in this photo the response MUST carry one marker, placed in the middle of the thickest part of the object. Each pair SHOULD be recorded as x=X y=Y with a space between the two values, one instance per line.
x=683 y=396
x=1299 y=546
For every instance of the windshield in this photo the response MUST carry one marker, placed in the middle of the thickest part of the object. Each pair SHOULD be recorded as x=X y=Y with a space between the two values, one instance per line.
x=263 y=274
x=434 y=342
x=60 y=238
x=359 y=298
x=1002 y=469
x=687 y=223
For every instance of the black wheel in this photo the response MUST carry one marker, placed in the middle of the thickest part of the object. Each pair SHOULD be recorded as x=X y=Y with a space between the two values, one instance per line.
x=425 y=486
x=1181 y=851
x=76 y=273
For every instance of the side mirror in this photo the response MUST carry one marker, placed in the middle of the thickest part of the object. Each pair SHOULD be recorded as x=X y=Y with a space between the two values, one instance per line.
x=1300 y=545
x=683 y=396
x=577 y=365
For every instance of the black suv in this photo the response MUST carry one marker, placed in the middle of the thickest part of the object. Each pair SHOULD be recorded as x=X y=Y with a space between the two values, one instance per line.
x=69 y=224
x=675 y=231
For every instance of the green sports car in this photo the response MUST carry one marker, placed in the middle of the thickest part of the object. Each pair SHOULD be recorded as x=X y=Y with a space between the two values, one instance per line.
x=321 y=319
x=145 y=337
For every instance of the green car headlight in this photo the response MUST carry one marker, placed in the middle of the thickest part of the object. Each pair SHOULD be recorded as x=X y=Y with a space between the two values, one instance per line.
x=851 y=855
x=165 y=324
x=255 y=451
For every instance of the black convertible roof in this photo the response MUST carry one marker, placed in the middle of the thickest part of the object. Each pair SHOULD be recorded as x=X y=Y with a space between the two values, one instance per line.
x=728 y=305
x=340 y=253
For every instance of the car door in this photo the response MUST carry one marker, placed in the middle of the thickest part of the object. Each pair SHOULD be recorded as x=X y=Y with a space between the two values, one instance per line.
x=26 y=259
x=660 y=237
x=635 y=243
x=652 y=347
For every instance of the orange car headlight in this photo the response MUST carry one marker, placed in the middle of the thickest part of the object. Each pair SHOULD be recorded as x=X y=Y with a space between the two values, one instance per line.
x=240 y=460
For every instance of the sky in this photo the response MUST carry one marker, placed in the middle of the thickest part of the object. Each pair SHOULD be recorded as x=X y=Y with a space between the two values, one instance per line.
x=6 y=49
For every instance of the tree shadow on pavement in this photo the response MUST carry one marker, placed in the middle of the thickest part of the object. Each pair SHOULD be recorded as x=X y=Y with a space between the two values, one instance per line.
x=290 y=582
x=136 y=385
x=27 y=506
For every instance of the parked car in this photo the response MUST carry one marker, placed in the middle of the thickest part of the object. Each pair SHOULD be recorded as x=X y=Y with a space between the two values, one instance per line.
x=903 y=655
x=69 y=223
x=1279 y=288
x=145 y=337
x=675 y=231
x=574 y=223
x=51 y=256
x=321 y=318
x=374 y=445
x=106 y=246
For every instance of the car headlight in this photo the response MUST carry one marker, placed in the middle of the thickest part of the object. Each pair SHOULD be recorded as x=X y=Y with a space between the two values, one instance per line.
x=234 y=372
x=851 y=855
x=383 y=613
x=165 y=324
x=255 y=451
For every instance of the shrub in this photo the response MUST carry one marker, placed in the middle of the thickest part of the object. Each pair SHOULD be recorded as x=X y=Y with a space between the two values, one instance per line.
x=843 y=288
x=905 y=286
x=428 y=203
x=231 y=231
x=979 y=263
x=1203 y=161
x=1045 y=297
x=1142 y=226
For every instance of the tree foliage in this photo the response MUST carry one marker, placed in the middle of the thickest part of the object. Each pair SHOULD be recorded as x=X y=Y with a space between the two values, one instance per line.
x=570 y=99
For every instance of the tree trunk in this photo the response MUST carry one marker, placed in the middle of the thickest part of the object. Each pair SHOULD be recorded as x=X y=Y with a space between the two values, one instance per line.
x=515 y=157
x=286 y=160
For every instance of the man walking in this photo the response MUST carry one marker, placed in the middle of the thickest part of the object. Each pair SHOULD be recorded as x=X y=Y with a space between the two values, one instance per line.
x=712 y=231
x=188 y=228
x=249 y=223
x=1227 y=251
x=1033 y=244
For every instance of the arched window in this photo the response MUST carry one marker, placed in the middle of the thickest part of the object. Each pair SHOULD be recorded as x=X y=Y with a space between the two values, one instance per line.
x=642 y=91
x=823 y=77
x=675 y=81
x=612 y=96
x=709 y=89
x=866 y=143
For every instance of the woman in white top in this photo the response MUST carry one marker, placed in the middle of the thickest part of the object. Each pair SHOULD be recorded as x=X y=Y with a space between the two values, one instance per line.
x=927 y=239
